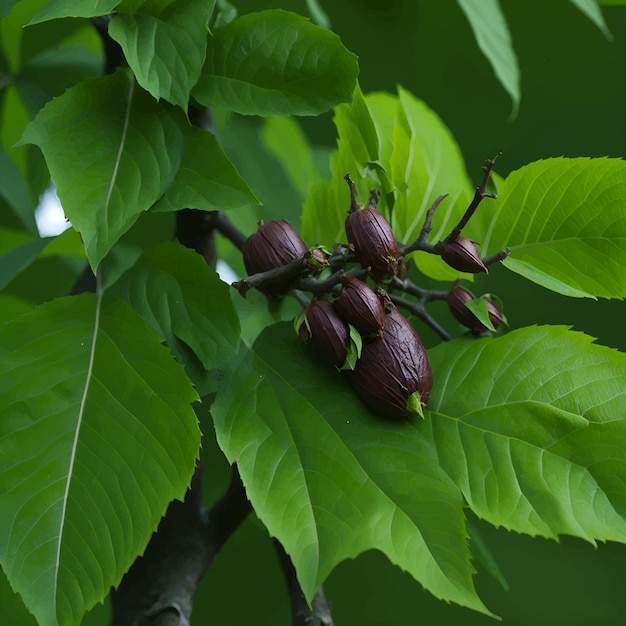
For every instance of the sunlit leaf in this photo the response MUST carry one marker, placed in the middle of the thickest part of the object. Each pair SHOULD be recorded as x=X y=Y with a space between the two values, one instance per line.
x=564 y=222
x=74 y=8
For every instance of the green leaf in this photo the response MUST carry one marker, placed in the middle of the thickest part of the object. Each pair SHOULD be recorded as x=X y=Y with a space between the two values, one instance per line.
x=317 y=13
x=478 y=306
x=97 y=437
x=74 y=8
x=207 y=179
x=276 y=63
x=14 y=190
x=592 y=10
x=494 y=40
x=563 y=220
x=327 y=203
x=510 y=418
x=165 y=45
x=182 y=298
x=330 y=480
x=112 y=152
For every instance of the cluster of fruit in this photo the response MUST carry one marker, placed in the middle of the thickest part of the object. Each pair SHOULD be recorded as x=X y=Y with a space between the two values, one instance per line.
x=358 y=328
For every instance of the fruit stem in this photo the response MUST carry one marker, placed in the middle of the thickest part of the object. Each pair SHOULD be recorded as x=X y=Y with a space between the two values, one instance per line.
x=417 y=309
x=494 y=258
x=354 y=205
x=290 y=270
x=374 y=198
x=479 y=194
x=420 y=243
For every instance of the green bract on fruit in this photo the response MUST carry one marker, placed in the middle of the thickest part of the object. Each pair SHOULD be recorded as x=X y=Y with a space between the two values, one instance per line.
x=274 y=244
x=461 y=254
x=360 y=306
x=393 y=376
x=374 y=242
x=320 y=324
x=456 y=302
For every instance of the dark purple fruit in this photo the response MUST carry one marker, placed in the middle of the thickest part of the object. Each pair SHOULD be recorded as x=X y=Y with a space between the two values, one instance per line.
x=456 y=302
x=461 y=254
x=374 y=242
x=359 y=305
x=274 y=244
x=326 y=330
x=393 y=376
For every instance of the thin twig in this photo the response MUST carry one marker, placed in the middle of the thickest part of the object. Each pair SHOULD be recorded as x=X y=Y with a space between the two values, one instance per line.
x=479 y=194
x=354 y=205
x=420 y=243
x=223 y=224
x=417 y=309
x=423 y=295
x=494 y=258
x=290 y=270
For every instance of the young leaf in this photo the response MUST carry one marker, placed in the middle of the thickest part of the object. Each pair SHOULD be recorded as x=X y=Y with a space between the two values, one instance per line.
x=530 y=426
x=112 y=151
x=563 y=220
x=97 y=437
x=493 y=38
x=165 y=45
x=181 y=297
x=276 y=63
x=74 y=8
x=206 y=179
x=330 y=480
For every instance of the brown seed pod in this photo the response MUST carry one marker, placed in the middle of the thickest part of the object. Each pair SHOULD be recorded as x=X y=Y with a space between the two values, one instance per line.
x=374 y=242
x=359 y=305
x=328 y=332
x=274 y=244
x=456 y=302
x=461 y=254
x=393 y=375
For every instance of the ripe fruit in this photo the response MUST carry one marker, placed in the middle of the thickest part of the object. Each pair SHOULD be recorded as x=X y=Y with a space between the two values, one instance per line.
x=393 y=376
x=461 y=254
x=320 y=324
x=272 y=245
x=456 y=302
x=360 y=306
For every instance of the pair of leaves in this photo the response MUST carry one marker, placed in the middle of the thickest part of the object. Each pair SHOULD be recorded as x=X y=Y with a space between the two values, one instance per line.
x=269 y=63
x=113 y=152
x=517 y=429
x=98 y=434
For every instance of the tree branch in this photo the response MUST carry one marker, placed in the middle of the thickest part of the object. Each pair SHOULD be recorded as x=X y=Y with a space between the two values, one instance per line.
x=417 y=309
x=318 y=614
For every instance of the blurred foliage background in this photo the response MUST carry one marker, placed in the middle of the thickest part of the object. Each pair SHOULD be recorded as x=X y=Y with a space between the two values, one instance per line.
x=573 y=103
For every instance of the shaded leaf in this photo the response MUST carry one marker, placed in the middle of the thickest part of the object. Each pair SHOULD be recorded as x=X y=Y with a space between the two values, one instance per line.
x=165 y=45
x=180 y=296
x=275 y=63
x=14 y=191
x=97 y=437
x=17 y=252
x=206 y=179
x=74 y=8
x=330 y=480
x=112 y=151
x=564 y=222
x=494 y=40
x=505 y=414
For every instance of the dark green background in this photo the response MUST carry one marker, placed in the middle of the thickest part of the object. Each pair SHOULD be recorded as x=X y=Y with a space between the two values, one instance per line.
x=573 y=104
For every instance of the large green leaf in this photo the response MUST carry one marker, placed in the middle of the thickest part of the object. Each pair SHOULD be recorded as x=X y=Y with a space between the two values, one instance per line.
x=527 y=430
x=276 y=63
x=165 y=45
x=97 y=436
x=494 y=40
x=74 y=8
x=112 y=152
x=531 y=426
x=207 y=179
x=330 y=480
x=181 y=297
x=565 y=224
